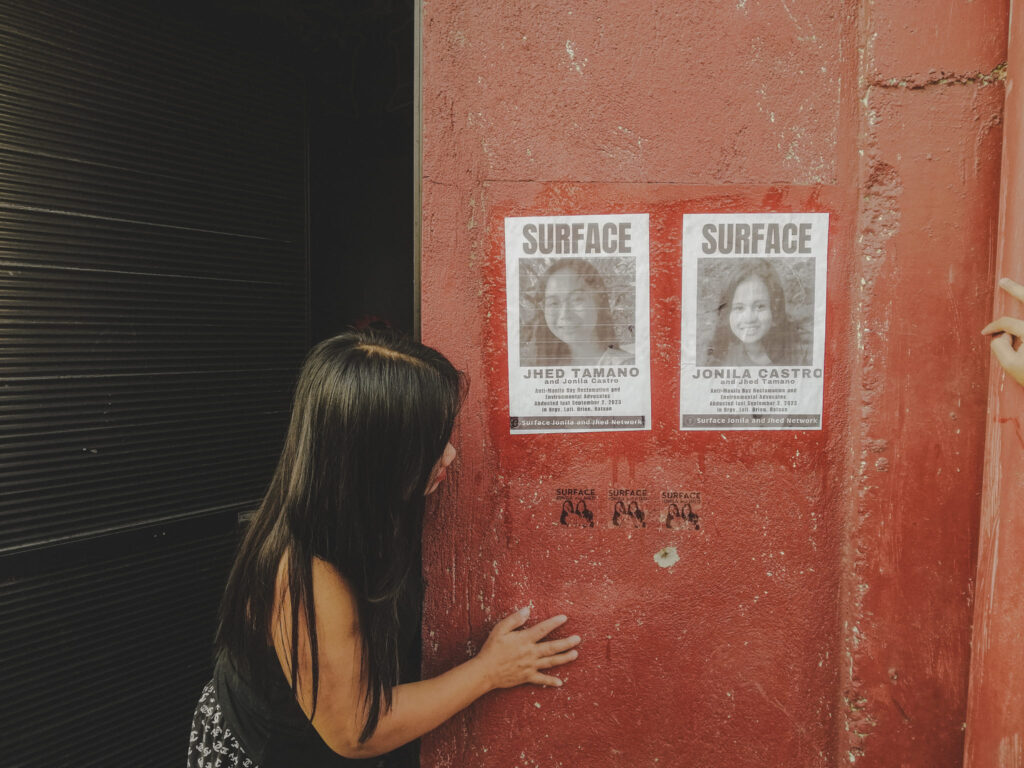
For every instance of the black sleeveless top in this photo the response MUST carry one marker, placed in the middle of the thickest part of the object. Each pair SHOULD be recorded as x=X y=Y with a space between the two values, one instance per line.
x=270 y=725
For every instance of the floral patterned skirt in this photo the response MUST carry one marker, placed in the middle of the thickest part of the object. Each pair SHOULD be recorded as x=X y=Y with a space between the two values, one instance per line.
x=211 y=744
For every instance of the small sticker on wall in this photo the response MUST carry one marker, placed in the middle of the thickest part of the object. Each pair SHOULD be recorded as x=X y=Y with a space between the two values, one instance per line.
x=578 y=323
x=681 y=510
x=629 y=507
x=576 y=507
x=753 y=321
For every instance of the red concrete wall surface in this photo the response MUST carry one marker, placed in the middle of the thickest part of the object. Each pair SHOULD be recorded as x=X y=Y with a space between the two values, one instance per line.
x=995 y=712
x=821 y=615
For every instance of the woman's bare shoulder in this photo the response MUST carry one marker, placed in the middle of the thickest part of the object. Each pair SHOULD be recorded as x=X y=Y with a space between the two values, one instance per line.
x=339 y=658
x=333 y=597
x=333 y=594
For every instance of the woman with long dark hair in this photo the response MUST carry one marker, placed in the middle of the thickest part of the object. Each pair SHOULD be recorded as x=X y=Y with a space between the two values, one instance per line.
x=308 y=644
x=753 y=327
x=578 y=327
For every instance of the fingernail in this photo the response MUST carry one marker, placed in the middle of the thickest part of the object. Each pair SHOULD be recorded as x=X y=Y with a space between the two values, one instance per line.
x=573 y=654
x=525 y=611
x=562 y=619
x=575 y=638
x=558 y=683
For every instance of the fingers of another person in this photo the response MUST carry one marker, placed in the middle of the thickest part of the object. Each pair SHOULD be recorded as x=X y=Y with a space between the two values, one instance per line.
x=1014 y=289
x=1009 y=333
x=1012 y=360
x=1012 y=325
x=1002 y=347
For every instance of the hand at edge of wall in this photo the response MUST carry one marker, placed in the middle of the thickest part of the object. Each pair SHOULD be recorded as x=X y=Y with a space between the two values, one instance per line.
x=1008 y=334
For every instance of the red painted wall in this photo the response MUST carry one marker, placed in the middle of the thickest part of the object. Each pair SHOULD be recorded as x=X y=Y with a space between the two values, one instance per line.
x=930 y=133
x=821 y=615
x=995 y=711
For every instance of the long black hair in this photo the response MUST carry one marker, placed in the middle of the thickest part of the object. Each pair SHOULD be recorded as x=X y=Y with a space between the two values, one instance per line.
x=372 y=414
x=779 y=342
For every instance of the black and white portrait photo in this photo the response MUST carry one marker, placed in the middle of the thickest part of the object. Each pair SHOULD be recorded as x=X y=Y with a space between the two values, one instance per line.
x=752 y=344
x=577 y=311
x=755 y=311
x=579 y=340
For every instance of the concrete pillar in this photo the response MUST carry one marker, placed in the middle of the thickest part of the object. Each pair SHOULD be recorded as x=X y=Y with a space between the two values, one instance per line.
x=995 y=713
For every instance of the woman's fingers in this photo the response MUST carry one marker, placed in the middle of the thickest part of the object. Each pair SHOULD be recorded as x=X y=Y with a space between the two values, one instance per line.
x=544 y=628
x=553 y=661
x=1014 y=289
x=513 y=653
x=551 y=647
x=1012 y=325
x=538 y=679
x=513 y=620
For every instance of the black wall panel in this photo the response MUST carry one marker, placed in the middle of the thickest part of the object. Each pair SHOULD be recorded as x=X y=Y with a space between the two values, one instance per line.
x=113 y=681
x=153 y=315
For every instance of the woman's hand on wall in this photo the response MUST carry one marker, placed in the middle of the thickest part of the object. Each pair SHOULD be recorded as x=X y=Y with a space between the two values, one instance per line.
x=1008 y=333
x=512 y=656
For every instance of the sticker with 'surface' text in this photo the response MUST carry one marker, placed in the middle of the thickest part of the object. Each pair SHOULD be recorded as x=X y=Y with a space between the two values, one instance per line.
x=629 y=507
x=578 y=323
x=681 y=510
x=753 y=321
x=577 y=506
x=580 y=506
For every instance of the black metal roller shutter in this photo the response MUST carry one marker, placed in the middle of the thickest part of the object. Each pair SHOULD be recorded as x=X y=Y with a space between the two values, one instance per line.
x=153 y=314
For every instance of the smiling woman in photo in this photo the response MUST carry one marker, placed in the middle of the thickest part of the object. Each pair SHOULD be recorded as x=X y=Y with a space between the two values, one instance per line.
x=753 y=327
x=578 y=327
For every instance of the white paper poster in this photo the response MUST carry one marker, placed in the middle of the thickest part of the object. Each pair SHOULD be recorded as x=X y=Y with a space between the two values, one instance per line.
x=578 y=323
x=753 y=320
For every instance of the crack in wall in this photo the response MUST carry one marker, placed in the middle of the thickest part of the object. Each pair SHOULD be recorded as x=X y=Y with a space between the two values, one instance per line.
x=918 y=82
x=878 y=220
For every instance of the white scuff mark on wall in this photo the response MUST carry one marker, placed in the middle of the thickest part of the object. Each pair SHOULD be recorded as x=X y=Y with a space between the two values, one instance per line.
x=570 y=49
x=667 y=557
x=985 y=639
x=458 y=37
x=1010 y=750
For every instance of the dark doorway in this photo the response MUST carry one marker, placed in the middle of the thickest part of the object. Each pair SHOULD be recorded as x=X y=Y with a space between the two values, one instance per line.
x=361 y=170
x=357 y=62
x=192 y=194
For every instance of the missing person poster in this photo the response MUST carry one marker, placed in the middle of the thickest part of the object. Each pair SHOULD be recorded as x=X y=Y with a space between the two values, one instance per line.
x=753 y=325
x=578 y=331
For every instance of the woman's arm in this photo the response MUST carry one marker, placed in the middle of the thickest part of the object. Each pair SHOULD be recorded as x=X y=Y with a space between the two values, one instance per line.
x=510 y=656
x=1009 y=332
